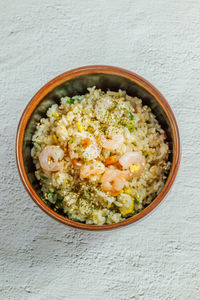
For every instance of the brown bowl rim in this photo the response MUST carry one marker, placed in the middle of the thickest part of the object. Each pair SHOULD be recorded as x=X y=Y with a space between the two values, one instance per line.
x=95 y=69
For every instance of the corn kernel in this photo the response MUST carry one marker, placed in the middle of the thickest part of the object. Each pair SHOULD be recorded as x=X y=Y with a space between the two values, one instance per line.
x=117 y=94
x=55 y=138
x=56 y=115
x=149 y=153
x=135 y=168
x=128 y=191
x=66 y=181
x=79 y=126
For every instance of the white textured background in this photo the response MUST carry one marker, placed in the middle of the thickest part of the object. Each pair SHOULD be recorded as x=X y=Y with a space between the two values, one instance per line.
x=158 y=258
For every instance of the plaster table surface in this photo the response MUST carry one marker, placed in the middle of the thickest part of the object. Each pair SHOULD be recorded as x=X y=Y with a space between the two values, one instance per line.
x=157 y=258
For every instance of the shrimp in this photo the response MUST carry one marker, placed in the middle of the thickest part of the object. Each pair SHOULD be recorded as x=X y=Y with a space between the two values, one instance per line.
x=113 y=180
x=133 y=160
x=116 y=141
x=49 y=158
x=93 y=169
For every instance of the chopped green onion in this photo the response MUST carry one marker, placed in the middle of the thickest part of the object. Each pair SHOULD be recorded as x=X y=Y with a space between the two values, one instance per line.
x=43 y=178
x=55 y=199
x=60 y=197
x=51 y=197
x=149 y=108
x=136 y=201
x=70 y=101
x=59 y=204
x=71 y=141
x=59 y=201
x=131 y=115
x=131 y=127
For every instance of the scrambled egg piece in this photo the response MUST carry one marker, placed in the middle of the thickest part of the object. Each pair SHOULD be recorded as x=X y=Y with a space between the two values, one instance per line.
x=128 y=191
x=79 y=126
x=135 y=168
x=128 y=204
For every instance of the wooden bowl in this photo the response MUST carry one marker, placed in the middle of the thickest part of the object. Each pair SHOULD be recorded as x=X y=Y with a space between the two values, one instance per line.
x=76 y=82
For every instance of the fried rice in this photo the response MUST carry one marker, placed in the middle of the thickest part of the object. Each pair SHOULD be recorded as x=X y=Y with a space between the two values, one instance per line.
x=94 y=132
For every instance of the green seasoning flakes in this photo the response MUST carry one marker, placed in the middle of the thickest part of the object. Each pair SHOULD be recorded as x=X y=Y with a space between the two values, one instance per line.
x=136 y=201
x=70 y=101
x=131 y=115
x=91 y=129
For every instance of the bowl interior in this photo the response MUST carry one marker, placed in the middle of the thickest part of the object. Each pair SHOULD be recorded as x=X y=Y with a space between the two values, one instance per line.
x=78 y=86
